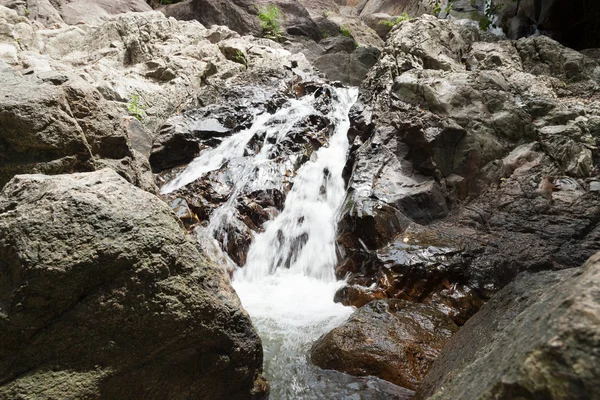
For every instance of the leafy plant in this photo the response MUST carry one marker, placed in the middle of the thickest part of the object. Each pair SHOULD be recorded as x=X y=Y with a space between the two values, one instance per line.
x=27 y=12
x=391 y=24
x=345 y=31
x=270 y=20
x=487 y=19
x=240 y=58
x=135 y=108
x=437 y=7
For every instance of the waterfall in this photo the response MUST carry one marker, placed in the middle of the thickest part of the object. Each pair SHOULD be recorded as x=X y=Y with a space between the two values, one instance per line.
x=288 y=282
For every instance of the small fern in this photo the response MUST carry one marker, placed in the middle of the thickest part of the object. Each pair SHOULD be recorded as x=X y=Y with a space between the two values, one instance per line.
x=270 y=20
x=135 y=109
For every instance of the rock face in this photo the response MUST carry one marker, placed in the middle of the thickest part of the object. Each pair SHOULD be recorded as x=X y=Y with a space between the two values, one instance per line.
x=391 y=339
x=62 y=127
x=74 y=12
x=326 y=38
x=536 y=338
x=453 y=138
x=242 y=16
x=104 y=296
x=67 y=90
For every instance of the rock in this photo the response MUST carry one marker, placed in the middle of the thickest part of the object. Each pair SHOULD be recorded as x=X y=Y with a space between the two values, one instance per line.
x=537 y=337
x=74 y=12
x=421 y=265
x=336 y=385
x=104 y=295
x=380 y=23
x=242 y=16
x=391 y=339
x=450 y=139
x=355 y=65
x=59 y=129
x=394 y=7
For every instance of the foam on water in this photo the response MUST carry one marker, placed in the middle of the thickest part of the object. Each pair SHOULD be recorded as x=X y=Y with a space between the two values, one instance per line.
x=288 y=283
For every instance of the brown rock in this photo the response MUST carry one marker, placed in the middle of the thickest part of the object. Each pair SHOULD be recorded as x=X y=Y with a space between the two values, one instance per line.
x=392 y=339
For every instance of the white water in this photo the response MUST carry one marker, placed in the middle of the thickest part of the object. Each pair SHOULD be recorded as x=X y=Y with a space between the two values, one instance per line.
x=288 y=282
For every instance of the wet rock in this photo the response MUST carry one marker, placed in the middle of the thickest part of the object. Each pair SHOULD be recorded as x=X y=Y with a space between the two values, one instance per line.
x=537 y=337
x=451 y=138
x=391 y=339
x=182 y=138
x=262 y=196
x=358 y=296
x=108 y=262
x=338 y=386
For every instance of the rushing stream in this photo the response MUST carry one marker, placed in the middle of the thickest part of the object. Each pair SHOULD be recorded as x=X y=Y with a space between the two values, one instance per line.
x=288 y=282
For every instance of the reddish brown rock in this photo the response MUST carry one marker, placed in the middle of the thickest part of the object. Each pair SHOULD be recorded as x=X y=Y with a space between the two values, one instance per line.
x=392 y=339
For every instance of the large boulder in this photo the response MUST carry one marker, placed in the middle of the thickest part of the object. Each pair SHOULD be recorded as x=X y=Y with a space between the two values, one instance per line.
x=392 y=339
x=105 y=296
x=242 y=16
x=539 y=337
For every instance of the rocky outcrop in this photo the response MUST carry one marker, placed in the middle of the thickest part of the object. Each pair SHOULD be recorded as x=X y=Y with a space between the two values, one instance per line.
x=58 y=123
x=536 y=338
x=68 y=91
x=242 y=16
x=391 y=339
x=105 y=296
x=74 y=12
x=471 y=161
x=326 y=38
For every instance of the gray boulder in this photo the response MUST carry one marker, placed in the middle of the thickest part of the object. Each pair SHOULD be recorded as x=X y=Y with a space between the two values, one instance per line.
x=539 y=337
x=105 y=296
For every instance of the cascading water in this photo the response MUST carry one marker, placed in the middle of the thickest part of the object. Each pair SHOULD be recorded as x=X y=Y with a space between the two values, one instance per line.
x=288 y=282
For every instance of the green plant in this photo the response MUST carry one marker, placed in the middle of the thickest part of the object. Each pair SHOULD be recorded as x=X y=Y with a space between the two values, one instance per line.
x=27 y=12
x=392 y=23
x=270 y=20
x=437 y=7
x=240 y=58
x=345 y=31
x=487 y=19
x=135 y=108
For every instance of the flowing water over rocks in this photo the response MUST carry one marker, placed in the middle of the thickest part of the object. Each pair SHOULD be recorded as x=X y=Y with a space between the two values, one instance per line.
x=288 y=281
